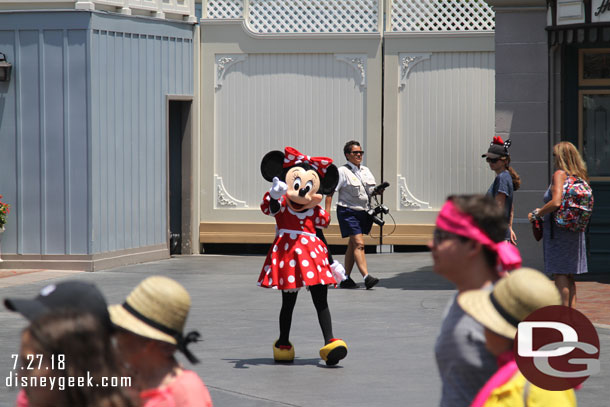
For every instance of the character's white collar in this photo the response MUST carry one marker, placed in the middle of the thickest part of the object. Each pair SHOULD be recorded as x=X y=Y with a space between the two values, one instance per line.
x=300 y=215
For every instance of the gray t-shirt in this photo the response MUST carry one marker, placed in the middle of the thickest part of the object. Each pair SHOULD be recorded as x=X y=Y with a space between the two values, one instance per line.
x=503 y=184
x=464 y=363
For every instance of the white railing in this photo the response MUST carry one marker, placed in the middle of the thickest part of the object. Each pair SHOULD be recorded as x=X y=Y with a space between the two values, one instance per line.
x=313 y=16
x=300 y=16
x=224 y=9
x=170 y=9
x=183 y=10
x=346 y=16
x=441 y=15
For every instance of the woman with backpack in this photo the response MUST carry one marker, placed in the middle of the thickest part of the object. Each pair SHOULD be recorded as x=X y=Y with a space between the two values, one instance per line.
x=568 y=204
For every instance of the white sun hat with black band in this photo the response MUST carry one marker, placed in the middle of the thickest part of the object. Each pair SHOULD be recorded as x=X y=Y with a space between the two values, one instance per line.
x=513 y=298
x=157 y=309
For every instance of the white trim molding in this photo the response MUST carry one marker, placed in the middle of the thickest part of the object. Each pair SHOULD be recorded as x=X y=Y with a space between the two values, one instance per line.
x=357 y=62
x=223 y=62
x=406 y=198
x=223 y=198
x=407 y=62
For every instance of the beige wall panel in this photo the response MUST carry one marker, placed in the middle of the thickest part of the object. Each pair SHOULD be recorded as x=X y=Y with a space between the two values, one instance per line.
x=439 y=120
x=278 y=90
x=312 y=102
x=287 y=89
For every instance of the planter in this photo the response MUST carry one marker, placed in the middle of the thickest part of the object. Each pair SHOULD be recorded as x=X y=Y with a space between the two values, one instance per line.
x=1 y=233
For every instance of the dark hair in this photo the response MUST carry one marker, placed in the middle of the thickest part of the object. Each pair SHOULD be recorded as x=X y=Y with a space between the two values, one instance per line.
x=488 y=216
x=513 y=174
x=87 y=348
x=347 y=148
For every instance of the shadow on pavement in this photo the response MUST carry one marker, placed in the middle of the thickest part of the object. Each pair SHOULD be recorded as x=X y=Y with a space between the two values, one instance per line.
x=420 y=279
x=245 y=363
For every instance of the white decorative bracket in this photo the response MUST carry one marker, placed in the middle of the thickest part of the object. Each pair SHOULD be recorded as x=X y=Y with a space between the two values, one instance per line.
x=223 y=198
x=407 y=200
x=356 y=61
x=407 y=62
x=223 y=62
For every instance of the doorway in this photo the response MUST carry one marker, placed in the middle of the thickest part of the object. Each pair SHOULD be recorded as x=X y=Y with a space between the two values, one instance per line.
x=179 y=175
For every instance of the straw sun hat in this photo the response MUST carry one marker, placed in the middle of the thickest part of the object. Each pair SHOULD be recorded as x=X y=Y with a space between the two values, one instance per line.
x=156 y=309
x=513 y=298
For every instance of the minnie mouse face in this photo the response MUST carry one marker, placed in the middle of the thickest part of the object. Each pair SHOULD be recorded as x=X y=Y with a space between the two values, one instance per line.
x=303 y=185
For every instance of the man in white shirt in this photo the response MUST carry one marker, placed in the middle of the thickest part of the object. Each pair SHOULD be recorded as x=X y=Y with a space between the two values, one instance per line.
x=356 y=184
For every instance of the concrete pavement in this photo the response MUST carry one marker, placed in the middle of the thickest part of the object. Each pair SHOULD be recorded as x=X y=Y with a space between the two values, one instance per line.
x=390 y=332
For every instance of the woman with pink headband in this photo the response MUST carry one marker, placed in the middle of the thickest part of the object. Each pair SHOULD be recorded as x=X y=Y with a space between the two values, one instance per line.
x=469 y=249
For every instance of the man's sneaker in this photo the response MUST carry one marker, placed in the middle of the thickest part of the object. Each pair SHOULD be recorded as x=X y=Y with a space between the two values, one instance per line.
x=348 y=283
x=370 y=282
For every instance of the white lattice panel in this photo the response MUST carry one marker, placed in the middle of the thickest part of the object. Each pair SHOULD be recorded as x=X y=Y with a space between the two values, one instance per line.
x=314 y=16
x=225 y=8
x=441 y=15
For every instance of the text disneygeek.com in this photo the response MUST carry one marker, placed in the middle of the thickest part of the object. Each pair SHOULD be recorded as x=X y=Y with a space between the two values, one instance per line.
x=34 y=366
x=61 y=382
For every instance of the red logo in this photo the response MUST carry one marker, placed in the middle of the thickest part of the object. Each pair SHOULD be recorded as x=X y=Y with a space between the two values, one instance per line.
x=557 y=348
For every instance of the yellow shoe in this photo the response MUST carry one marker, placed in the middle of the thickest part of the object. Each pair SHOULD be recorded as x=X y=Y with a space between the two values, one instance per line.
x=333 y=352
x=284 y=354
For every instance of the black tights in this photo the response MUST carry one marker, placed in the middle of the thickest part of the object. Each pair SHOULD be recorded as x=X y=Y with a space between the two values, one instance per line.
x=318 y=295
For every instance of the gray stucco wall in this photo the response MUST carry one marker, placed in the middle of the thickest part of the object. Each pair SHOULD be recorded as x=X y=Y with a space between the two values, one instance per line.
x=83 y=129
x=522 y=111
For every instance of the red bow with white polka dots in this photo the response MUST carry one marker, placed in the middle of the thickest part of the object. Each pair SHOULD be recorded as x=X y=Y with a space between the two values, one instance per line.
x=293 y=157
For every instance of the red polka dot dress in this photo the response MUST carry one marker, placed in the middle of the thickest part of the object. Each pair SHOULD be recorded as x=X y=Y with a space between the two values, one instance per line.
x=297 y=257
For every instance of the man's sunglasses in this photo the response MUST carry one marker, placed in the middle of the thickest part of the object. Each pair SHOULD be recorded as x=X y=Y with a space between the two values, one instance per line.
x=492 y=160
x=361 y=152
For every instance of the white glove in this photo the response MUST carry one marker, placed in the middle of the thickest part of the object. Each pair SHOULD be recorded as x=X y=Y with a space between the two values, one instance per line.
x=278 y=189
x=338 y=271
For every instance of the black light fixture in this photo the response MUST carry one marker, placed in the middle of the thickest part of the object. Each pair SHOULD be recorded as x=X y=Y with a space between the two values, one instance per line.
x=5 y=68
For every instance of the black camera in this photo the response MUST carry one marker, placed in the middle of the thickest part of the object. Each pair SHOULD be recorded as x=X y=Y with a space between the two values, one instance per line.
x=378 y=208
x=379 y=188
x=373 y=212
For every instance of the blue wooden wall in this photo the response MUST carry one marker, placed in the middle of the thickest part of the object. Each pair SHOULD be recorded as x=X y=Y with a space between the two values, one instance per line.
x=82 y=129
x=132 y=71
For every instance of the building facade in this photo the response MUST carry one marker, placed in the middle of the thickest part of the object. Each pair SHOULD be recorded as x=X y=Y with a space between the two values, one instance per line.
x=553 y=84
x=128 y=129
x=83 y=133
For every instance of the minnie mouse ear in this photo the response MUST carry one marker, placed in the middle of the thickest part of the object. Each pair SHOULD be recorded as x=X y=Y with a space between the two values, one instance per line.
x=507 y=143
x=329 y=182
x=272 y=165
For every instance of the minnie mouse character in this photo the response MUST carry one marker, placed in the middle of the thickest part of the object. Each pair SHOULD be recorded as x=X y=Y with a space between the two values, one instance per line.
x=298 y=258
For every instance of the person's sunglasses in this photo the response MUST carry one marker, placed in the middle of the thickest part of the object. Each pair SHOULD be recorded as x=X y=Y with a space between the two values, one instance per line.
x=361 y=152
x=441 y=235
x=492 y=160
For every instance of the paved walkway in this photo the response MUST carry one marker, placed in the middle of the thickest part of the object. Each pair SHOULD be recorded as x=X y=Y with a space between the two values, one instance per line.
x=390 y=332
x=593 y=299
x=593 y=296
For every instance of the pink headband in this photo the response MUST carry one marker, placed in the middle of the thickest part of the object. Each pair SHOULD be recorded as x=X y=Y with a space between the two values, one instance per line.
x=454 y=221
